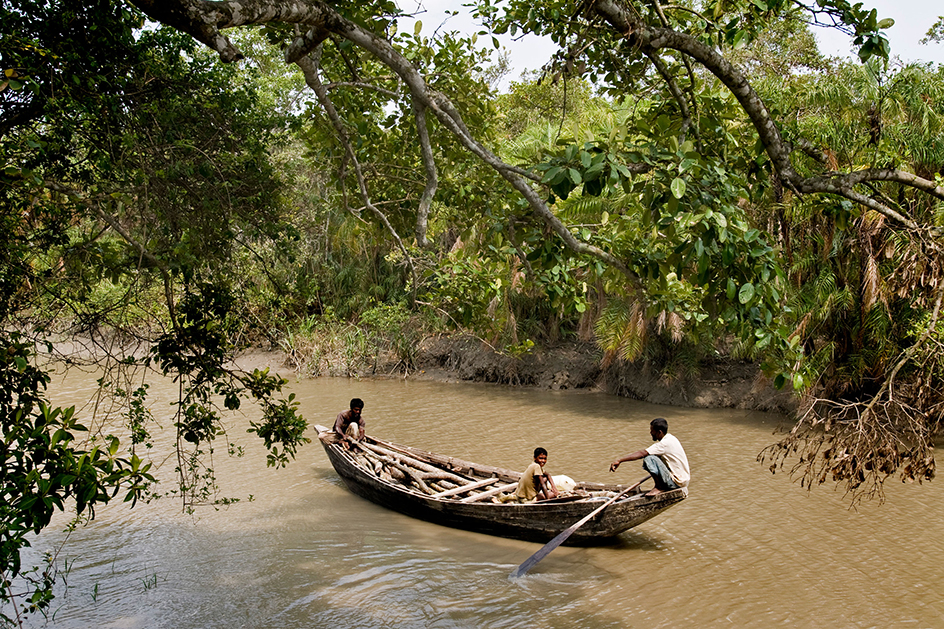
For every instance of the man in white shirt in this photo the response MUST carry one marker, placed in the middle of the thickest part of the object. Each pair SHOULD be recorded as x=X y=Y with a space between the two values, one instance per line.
x=665 y=460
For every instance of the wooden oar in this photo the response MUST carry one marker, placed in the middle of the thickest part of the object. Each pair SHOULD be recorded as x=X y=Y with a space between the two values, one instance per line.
x=562 y=537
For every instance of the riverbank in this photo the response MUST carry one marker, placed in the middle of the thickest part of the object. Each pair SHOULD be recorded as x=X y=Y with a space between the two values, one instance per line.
x=571 y=365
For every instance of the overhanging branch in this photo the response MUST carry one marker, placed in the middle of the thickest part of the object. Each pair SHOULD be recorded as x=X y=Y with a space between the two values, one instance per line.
x=309 y=67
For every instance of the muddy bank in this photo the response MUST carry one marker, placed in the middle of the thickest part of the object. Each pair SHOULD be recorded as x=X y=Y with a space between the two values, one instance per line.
x=733 y=384
x=566 y=366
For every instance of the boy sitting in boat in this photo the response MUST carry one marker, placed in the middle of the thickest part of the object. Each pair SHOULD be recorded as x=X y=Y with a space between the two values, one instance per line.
x=535 y=484
x=350 y=424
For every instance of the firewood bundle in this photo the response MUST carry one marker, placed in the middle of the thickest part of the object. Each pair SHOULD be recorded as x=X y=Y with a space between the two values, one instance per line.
x=391 y=465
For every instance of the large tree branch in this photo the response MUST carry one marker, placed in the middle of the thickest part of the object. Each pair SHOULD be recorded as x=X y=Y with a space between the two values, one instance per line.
x=651 y=38
x=204 y=19
x=448 y=115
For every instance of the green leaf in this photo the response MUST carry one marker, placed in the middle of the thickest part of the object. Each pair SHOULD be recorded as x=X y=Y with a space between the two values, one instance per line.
x=678 y=187
x=746 y=293
x=551 y=174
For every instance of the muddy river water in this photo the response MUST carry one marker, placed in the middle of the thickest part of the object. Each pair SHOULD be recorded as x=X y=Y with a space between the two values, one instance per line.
x=747 y=549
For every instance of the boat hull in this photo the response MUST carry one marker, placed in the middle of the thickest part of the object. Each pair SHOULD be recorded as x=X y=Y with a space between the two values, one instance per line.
x=539 y=521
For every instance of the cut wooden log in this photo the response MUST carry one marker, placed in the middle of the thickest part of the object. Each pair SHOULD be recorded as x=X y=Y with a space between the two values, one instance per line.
x=491 y=492
x=409 y=469
x=413 y=462
x=464 y=488
x=413 y=476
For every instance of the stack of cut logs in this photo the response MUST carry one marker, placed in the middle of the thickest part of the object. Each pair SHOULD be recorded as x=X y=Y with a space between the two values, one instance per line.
x=392 y=465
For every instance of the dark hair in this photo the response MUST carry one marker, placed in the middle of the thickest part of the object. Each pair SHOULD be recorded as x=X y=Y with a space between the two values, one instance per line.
x=357 y=403
x=539 y=451
x=660 y=424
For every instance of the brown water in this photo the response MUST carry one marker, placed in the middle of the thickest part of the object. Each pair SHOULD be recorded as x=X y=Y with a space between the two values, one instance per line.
x=747 y=549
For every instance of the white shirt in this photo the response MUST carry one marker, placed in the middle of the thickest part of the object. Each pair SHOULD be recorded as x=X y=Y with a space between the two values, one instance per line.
x=673 y=455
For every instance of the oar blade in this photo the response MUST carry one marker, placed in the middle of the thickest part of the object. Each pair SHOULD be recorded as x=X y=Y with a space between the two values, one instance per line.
x=529 y=563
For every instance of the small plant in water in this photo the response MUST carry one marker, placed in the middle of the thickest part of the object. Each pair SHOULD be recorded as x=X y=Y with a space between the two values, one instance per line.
x=149 y=582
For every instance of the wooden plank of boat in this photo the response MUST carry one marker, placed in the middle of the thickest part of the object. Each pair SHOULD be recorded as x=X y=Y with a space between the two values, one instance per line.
x=539 y=521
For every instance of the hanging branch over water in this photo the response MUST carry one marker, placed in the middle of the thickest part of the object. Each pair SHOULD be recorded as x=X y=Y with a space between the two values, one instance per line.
x=309 y=66
x=204 y=21
x=861 y=444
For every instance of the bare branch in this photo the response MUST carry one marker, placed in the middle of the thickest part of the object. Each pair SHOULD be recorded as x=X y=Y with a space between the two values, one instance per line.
x=839 y=186
x=309 y=67
x=673 y=88
x=304 y=44
x=362 y=85
x=897 y=176
x=432 y=177
x=811 y=150
x=683 y=104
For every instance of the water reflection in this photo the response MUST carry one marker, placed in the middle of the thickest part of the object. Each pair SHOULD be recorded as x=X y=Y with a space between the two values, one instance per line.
x=746 y=549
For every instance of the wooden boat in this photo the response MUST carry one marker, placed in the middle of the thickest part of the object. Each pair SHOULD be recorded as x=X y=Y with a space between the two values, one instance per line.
x=460 y=494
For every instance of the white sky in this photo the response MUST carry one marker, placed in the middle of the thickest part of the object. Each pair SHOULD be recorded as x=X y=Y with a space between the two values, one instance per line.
x=912 y=18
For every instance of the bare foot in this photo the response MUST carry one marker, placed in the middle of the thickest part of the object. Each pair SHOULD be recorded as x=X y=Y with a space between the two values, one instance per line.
x=653 y=492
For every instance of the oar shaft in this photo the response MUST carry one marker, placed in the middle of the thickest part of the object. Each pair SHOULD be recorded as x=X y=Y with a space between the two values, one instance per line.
x=545 y=550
